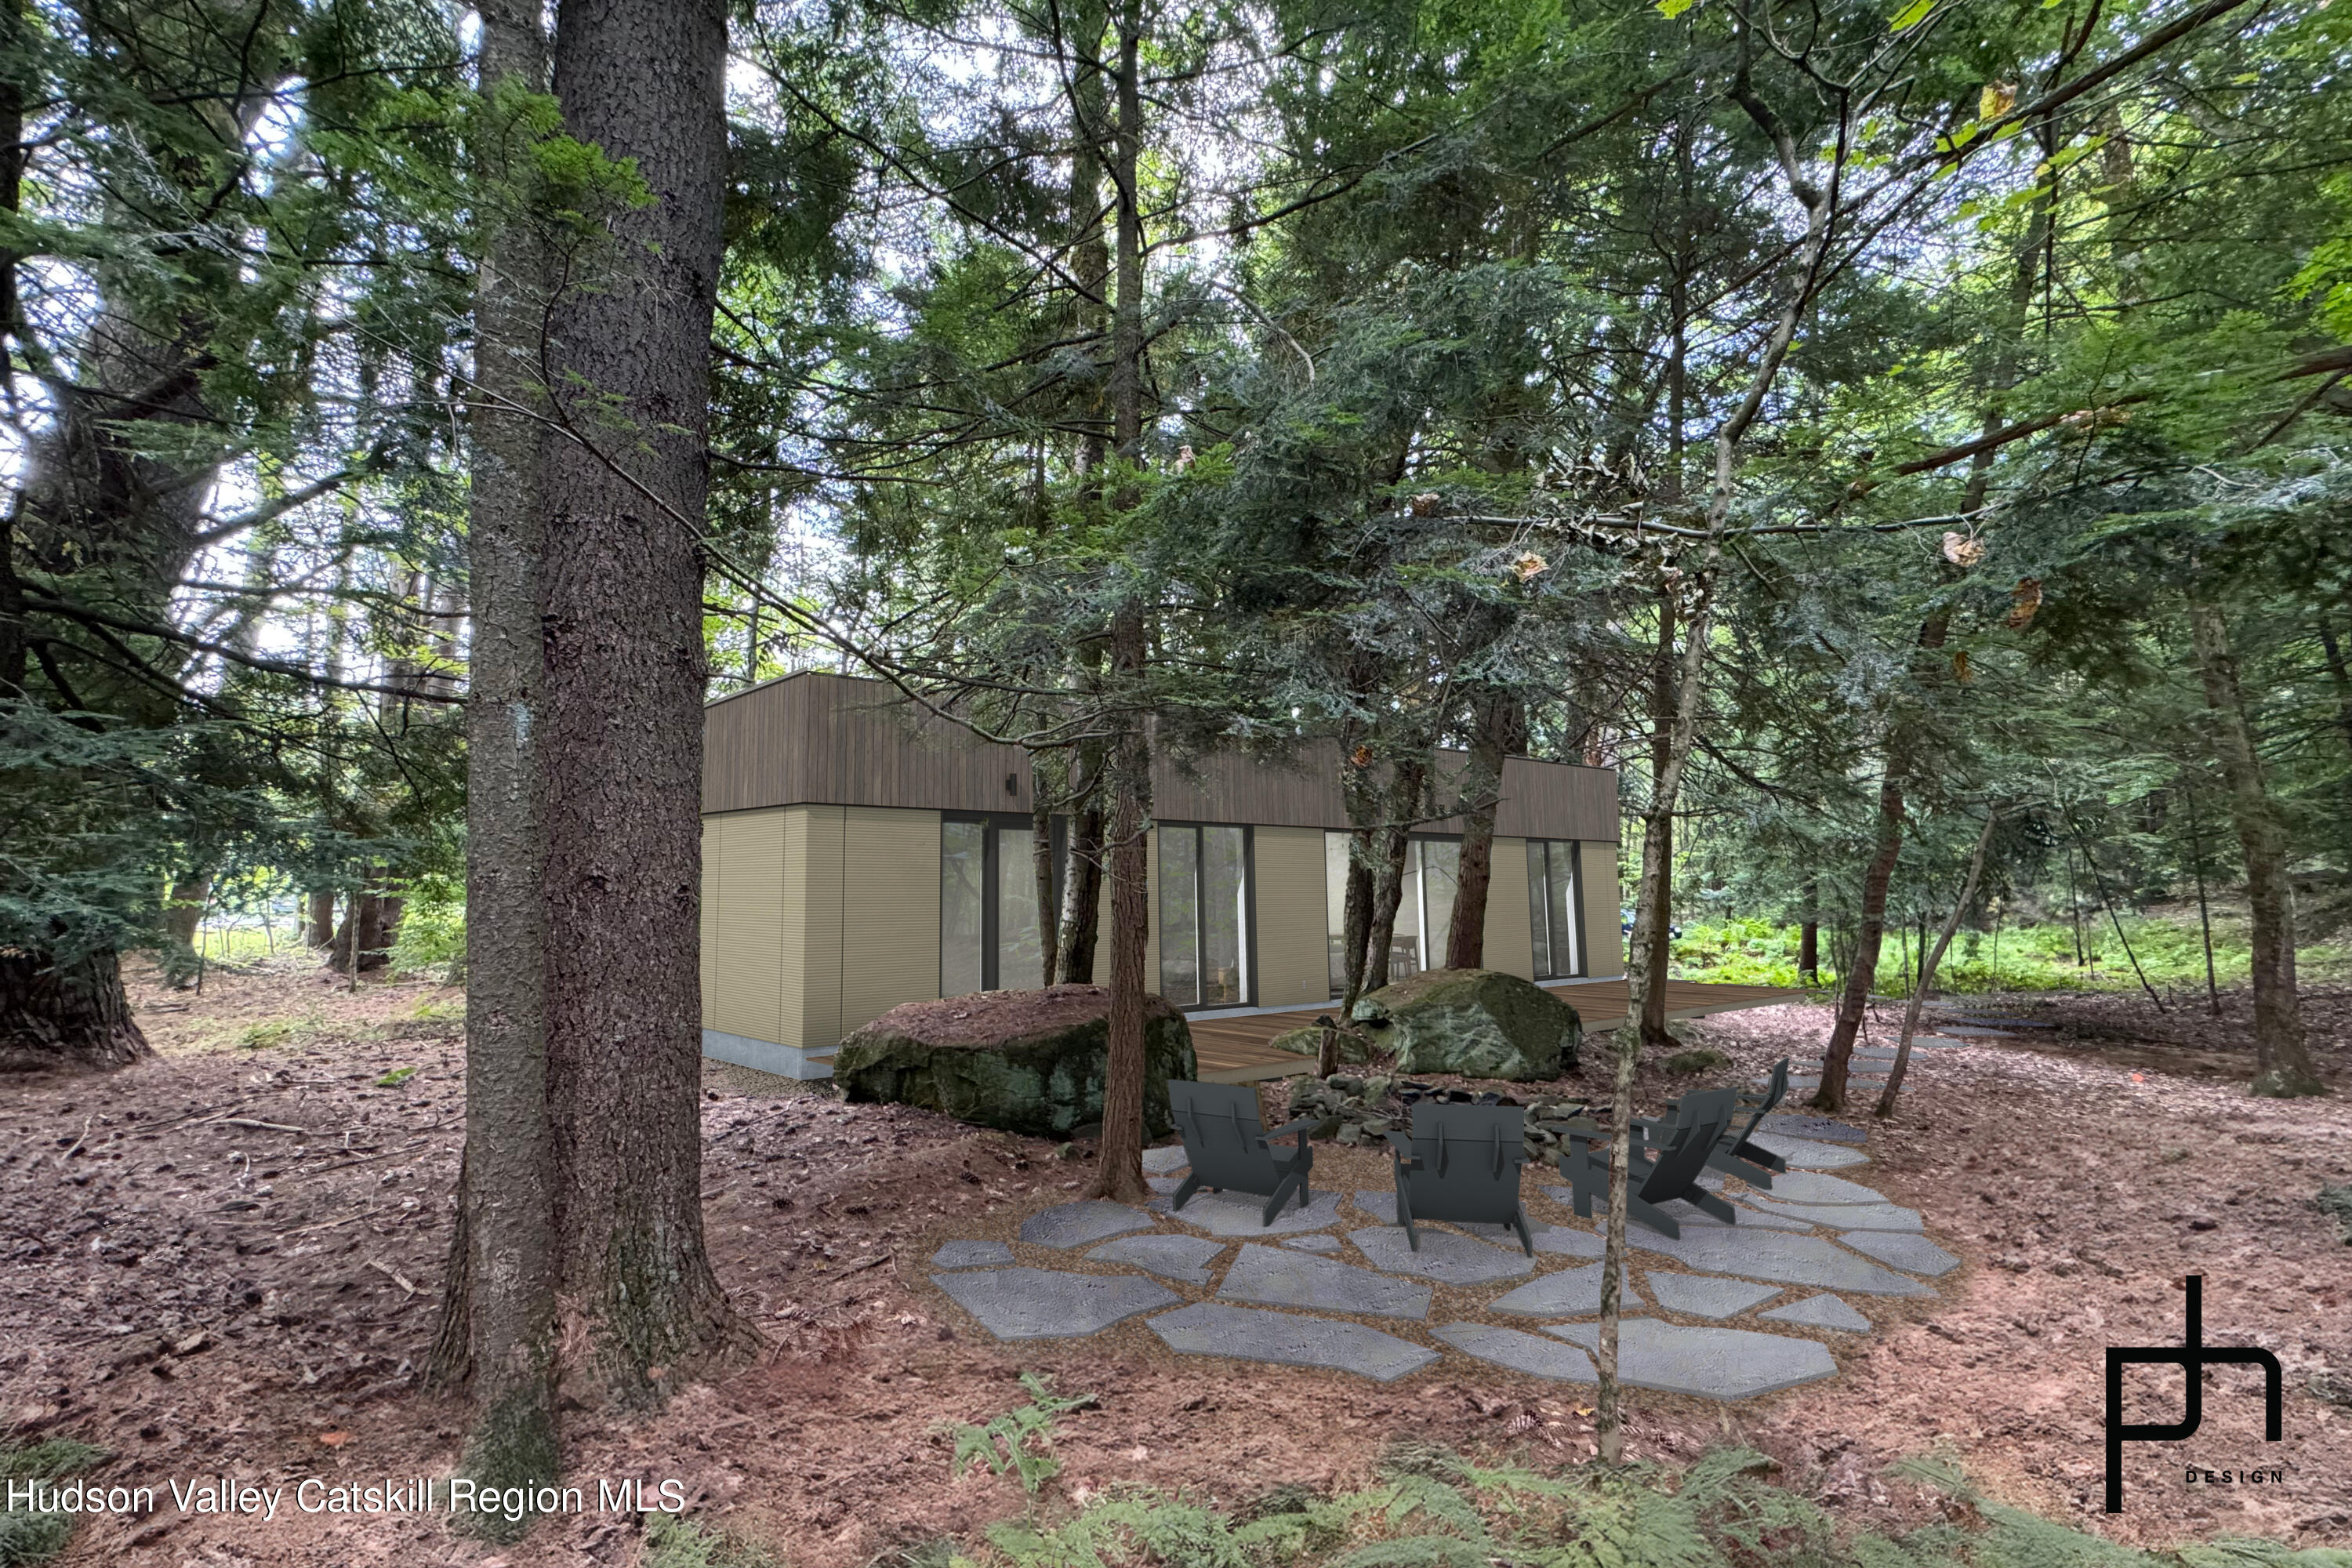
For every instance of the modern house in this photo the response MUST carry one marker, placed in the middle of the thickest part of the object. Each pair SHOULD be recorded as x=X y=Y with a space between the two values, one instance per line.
x=856 y=855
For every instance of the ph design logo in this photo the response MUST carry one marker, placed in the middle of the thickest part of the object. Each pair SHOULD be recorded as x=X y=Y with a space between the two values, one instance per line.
x=2193 y=1357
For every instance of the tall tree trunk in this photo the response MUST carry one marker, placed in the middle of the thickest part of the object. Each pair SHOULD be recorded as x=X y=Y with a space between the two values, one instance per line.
x=1809 y=935
x=497 y=1335
x=183 y=912
x=1870 y=935
x=65 y=1012
x=1407 y=779
x=319 y=919
x=1928 y=962
x=1498 y=723
x=622 y=742
x=2282 y=1064
x=1654 y=895
x=1121 y=1172
x=13 y=647
x=1082 y=888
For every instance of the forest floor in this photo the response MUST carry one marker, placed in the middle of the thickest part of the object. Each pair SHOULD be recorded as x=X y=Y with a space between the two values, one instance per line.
x=227 y=1260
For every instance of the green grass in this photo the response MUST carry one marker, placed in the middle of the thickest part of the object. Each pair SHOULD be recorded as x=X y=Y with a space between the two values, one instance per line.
x=675 y=1542
x=26 y=1536
x=1429 y=1509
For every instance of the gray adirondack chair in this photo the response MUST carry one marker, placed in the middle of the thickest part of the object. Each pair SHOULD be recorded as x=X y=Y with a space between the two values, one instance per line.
x=1230 y=1150
x=1734 y=1153
x=1663 y=1168
x=1460 y=1163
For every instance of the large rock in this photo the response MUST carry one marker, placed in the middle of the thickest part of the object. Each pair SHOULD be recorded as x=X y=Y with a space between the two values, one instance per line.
x=1027 y=1061
x=1475 y=1023
x=1308 y=1042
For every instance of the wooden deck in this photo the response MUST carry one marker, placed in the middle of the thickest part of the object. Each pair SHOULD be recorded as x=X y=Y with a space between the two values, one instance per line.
x=1234 y=1050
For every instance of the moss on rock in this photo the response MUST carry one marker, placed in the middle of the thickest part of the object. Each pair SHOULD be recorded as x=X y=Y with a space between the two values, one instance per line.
x=1308 y=1042
x=1027 y=1061
x=1475 y=1022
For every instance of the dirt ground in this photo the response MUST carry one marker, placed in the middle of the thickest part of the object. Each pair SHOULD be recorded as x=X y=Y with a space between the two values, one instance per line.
x=226 y=1261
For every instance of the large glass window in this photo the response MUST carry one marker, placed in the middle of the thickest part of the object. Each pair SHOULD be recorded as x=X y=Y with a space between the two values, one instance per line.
x=1555 y=912
x=1204 y=915
x=1019 y=954
x=963 y=881
x=989 y=935
x=1441 y=878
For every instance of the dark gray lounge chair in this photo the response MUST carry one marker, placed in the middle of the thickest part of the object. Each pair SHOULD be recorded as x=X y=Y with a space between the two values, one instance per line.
x=1461 y=1163
x=1735 y=1154
x=1663 y=1166
x=1230 y=1150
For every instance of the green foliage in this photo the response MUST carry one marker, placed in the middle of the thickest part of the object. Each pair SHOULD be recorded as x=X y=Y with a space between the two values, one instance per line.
x=1722 y=1512
x=673 y=1541
x=395 y=1077
x=27 y=1536
x=432 y=934
x=2336 y=1204
x=1022 y=1439
x=268 y=1036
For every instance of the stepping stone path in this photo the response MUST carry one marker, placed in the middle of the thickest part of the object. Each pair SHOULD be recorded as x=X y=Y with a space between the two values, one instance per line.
x=1779 y=1256
x=1807 y=1151
x=1849 y=1216
x=1718 y=1363
x=1704 y=1295
x=1289 y=1297
x=1571 y=1292
x=1184 y=1257
x=971 y=1255
x=1530 y=1353
x=1211 y=1328
x=1041 y=1304
x=1914 y=1253
x=1446 y=1257
x=1074 y=1225
x=1242 y=1216
x=1823 y=1311
x=1280 y=1277
x=1809 y=1187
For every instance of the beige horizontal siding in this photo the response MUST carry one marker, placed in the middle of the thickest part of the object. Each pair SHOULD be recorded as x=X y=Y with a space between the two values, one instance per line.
x=889 y=912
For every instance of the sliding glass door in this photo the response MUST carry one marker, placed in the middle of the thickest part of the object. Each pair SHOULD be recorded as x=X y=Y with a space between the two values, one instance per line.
x=1205 y=909
x=1433 y=876
x=1555 y=912
x=989 y=935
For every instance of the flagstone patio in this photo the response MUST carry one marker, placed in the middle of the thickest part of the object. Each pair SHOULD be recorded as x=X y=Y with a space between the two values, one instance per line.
x=1322 y=1288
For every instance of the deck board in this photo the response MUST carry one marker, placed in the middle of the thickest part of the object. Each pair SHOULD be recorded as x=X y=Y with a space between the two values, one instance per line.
x=1234 y=1050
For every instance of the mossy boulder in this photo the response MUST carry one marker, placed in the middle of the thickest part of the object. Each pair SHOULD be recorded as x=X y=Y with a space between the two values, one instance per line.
x=1027 y=1061
x=1475 y=1023
x=1308 y=1042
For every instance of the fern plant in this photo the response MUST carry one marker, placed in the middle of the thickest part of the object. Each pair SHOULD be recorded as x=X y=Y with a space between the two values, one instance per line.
x=1020 y=1440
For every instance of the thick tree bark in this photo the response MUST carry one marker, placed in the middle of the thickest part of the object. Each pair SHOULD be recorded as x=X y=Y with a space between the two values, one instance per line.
x=1928 y=962
x=1499 y=724
x=498 y=1334
x=64 y=1015
x=1870 y=935
x=183 y=912
x=2282 y=1063
x=621 y=738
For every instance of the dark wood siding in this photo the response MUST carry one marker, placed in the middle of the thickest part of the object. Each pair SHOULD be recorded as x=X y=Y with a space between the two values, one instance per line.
x=818 y=739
